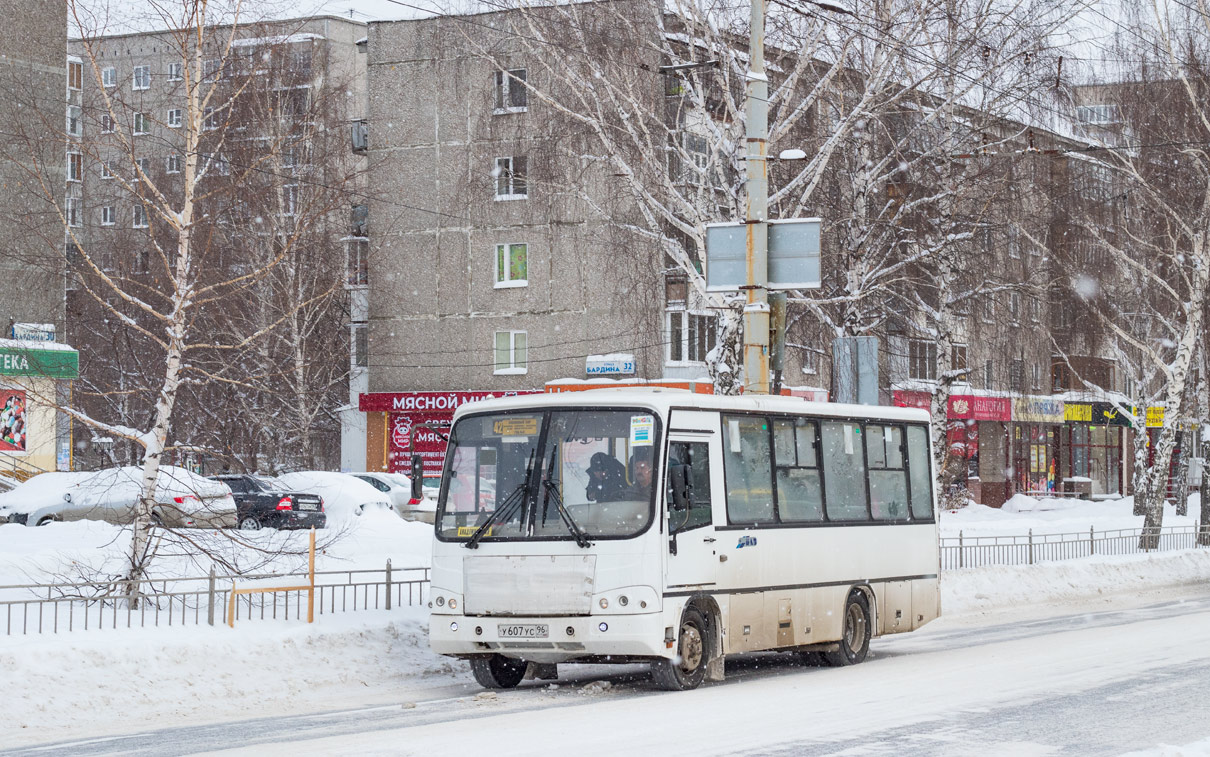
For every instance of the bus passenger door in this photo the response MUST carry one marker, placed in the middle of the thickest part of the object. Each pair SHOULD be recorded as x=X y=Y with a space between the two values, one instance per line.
x=692 y=557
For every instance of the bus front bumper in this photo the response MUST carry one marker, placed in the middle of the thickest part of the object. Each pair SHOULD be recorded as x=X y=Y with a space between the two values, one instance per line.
x=566 y=638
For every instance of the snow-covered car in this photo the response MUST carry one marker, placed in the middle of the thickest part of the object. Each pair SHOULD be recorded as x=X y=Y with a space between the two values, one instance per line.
x=183 y=499
x=423 y=509
x=396 y=486
x=344 y=495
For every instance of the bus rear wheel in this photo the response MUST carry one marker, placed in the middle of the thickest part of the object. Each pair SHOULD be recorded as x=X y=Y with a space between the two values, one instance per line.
x=855 y=641
x=497 y=671
x=688 y=669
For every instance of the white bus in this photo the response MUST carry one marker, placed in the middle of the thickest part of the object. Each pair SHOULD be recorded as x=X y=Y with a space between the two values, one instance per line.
x=677 y=528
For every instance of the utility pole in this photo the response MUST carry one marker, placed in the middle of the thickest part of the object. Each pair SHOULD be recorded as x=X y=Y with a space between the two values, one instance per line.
x=756 y=311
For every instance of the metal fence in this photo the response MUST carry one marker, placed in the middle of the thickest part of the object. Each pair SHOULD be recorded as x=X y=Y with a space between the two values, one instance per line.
x=977 y=551
x=62 y=607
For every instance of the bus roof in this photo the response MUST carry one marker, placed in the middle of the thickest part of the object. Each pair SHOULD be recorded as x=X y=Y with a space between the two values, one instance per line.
x=663 y=400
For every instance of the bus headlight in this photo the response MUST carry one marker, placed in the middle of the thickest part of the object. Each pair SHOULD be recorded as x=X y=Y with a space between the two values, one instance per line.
x=604 y=626
x=454 y=626
x=453 y=604
x=604 y=603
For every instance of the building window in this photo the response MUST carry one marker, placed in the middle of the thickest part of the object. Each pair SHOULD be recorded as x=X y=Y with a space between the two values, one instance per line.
x=510 y=176
x=676 y=290
x=71 y=210
x=512 y=265
x=511 y=353
x=988 y=308
x=958 y=357
x=210 y=69
x=922 y=359
x=144 y=169
x=109 y=76
x=175 y=71
x=106 y=123
x=511 y=94
x=359 y=268
x=109 y=215
x=1035 y=309
x=75 y=75
x=107 y=171
x=691 y=336
x=361 y=346
x=140 y=217
x=300 y=63
x=1016 y=375
x=75 y=166
x=141 y=78
x=209 y=119
x=1036 y=376
x=174 y=118
x=1097 y=114
x=1014 y=307
x=289 y=196
x=142 y=124
x=987 y=375
x=74 y=126
x=173 y=163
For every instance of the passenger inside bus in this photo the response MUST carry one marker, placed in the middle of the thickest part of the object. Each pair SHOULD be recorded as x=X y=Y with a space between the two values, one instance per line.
x=640 y=471
x=606 y=478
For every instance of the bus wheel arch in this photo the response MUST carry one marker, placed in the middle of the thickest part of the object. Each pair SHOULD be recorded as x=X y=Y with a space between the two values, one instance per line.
x=857 y=628
x=698 y=641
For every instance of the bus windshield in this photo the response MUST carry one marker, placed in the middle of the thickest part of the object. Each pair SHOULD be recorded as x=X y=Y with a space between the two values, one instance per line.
x=552 y=474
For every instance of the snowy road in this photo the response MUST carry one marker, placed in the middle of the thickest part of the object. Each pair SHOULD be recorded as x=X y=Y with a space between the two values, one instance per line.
x=1103 y=682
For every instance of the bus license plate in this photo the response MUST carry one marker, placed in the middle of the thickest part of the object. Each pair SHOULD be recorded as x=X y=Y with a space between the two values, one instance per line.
x=523 y=631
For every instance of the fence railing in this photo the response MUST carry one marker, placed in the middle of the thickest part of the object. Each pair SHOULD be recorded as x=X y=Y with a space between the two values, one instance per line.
x=62 y=607
x=977 y=551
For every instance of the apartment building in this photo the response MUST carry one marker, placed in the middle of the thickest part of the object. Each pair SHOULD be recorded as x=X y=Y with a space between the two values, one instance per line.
x=278 y=192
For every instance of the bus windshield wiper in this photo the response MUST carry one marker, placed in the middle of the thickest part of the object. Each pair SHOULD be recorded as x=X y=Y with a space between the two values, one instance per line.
x=552 y=492
x=511 y=504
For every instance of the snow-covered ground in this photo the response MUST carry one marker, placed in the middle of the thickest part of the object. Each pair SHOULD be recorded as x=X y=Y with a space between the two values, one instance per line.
x=163 y=678
x=1054 y=516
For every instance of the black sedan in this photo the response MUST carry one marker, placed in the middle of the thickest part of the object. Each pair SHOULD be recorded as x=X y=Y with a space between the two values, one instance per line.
x=264 y=502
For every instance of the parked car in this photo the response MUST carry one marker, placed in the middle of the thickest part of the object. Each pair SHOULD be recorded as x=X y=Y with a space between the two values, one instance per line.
x=397 y=490
x=423 y=509
x=183 y=499
x=265 y=502
x=344 y=495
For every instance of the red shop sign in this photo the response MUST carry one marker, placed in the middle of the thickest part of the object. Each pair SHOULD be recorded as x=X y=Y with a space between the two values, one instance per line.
x=973 y=407
x=904 y=398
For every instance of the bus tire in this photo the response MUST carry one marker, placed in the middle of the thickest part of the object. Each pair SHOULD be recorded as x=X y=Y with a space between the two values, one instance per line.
x=497 y=671
x=687 y=670
x=855 y=638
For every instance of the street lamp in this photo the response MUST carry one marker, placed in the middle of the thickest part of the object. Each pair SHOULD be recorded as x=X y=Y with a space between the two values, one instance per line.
x=756 y=205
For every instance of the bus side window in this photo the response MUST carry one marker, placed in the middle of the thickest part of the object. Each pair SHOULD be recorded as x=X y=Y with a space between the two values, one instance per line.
x=746 y=466
x=799 y=493
x=921 y=477
x=844 y=471
x=696 y=457
x=888 y=476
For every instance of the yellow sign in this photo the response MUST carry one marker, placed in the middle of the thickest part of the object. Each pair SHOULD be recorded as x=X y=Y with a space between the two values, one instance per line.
x=515 y=427
x=469 y=531
x=1155 y=417
x=1077 y=412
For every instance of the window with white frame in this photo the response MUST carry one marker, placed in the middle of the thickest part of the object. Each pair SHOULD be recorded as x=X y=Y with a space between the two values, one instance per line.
x=690 y=336
x=75 y=75
x=511 y=94
x=144 y=169
x=289 y=196
x=988 y=309
x=141 y=78
x=140 y=217
x=106 y=123
x=922 y=359
x=107 y=171
x=1035 y=310
x=109 y=215
x=71 y=210
x=142 y=124
x=109 y=76
x=1014 y=307
x=1036 y=376
x=359 y=263
x=1098 y=114
x=174 y=71
x=512 y=265
x=361 y=345
x=75 y=127
x=75 y=166
x=510 y=176
x=210 y=119
x=210 y=69
x=511 y=353
x=174 y=118
x=958 y=358
x=173 y=164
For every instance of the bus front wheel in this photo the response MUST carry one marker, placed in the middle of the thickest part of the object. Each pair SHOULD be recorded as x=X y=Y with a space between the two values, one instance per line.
x=855 y=641
x=497 y=671
x=688 y=669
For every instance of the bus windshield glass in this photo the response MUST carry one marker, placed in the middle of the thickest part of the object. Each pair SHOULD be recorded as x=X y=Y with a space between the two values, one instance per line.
x=550 y=474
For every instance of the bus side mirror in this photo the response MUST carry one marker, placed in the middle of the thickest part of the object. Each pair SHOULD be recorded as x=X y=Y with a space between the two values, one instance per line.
x=417 y=477
x=679 y=481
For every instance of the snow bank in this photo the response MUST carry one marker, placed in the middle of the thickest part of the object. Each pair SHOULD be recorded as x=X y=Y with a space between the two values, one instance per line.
x=1052 y=516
